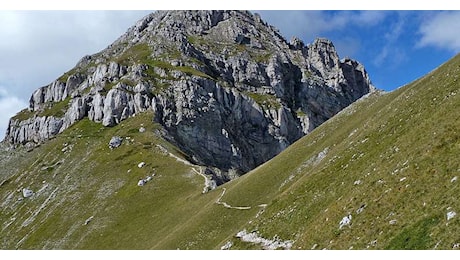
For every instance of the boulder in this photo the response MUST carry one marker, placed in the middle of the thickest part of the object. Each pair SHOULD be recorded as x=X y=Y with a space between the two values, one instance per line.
x=115 y=142
x=26 y=193
x=450 y=215
x=346 y=221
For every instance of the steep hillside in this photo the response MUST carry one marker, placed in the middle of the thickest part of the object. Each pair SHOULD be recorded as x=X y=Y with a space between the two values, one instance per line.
x=76 y=178
x=388 y=162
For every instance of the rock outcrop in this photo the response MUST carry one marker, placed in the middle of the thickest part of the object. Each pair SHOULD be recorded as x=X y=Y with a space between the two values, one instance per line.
x=226 y=87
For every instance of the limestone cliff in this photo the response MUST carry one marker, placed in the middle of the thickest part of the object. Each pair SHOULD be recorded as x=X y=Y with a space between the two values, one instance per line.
x=228 y=89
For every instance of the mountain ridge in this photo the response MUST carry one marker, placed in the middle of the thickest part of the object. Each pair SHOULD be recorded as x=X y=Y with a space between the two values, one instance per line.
x=227 y=88
x=381 y=174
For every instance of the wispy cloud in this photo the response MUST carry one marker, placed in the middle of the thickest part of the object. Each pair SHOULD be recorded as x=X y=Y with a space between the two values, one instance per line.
x=390 y=50
x=310 y=24
x=307 y=25
x=441 y=30
x=51 y=42
x=38 y=46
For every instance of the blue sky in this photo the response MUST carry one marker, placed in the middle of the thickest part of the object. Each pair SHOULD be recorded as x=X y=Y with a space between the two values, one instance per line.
x=396 y=47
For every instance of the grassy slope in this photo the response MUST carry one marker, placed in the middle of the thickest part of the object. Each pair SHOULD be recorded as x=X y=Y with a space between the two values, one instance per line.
x=93 y=180
x=169 y=212
x=393 y=154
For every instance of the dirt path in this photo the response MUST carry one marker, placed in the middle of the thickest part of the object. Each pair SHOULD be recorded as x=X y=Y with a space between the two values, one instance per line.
x=226 y=205
x=208 y=183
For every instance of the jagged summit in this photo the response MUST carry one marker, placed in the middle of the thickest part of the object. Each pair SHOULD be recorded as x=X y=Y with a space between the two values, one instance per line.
x=226 y=87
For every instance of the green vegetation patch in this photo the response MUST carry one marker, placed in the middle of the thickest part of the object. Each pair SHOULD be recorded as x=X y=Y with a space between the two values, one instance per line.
x=197 y=40
x=128 y=82
x=66 y=75
x=416 y=236
x=193 y=72
x=23 y=115
x=300 y=113
x=139 y=53
x=56 y=109
x=160 y=86
x=81 y=70
x=267 y=101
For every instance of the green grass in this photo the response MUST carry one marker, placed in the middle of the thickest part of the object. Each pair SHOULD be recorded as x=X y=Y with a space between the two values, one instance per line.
x=195 y=40
x=160 y=86
x=23 y=115
x=401 y=146
x=85 y=173
x=141 y=54
x=267 y=101
x=56 y=109
x=108 y=86
x=82 y=70
x=300 y=113
x=394 y=155
x=263 y=57
x=66 y=75
x=416 y=236
x=137 y=54
x=193 y=72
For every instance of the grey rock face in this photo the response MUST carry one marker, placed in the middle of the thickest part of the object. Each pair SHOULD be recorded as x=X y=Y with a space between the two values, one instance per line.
x=76 y=111
x=96 y=111
x=116 y=107
x=219 y=126
x=227 y=88
x=33 y=129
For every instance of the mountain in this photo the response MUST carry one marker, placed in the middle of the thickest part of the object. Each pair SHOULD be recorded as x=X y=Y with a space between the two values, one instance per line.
x=380 y=174
x=226 y=88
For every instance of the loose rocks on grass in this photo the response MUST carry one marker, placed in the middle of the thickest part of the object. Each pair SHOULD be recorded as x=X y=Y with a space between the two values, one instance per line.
x=115 y=142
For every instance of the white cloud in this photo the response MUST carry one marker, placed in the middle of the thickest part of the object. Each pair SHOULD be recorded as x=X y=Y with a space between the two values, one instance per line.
x=39 y=46
x=310 y=24
x=9 y=106
x=370 y=18
x=441 y=30
x=219 y=5
x=36 y=47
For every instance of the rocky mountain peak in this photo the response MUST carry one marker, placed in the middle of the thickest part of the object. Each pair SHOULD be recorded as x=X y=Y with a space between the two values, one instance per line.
x=226 y=87
x=322 y=51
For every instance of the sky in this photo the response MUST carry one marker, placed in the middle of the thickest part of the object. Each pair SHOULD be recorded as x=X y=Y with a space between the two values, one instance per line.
x=395 y=47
